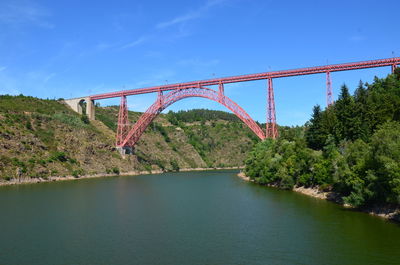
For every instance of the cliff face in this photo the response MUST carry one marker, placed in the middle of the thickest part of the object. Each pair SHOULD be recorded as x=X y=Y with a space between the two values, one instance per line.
x=42 y=138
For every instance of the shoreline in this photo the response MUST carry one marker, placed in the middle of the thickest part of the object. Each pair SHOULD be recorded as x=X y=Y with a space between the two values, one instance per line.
x=387 y=212
x=24 y=181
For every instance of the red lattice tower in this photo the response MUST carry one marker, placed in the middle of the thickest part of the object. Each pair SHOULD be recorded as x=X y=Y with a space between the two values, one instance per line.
x=123 y=122
x=271 y=128
x=221 y=92
x=329 y=96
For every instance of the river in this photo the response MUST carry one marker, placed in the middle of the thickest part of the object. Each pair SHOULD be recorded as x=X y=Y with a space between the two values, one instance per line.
x=184 y=218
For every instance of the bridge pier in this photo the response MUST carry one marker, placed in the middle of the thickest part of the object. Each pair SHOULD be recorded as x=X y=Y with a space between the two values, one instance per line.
x=90 y=109
x=329 y=96
x=76 y=105
x=271 y=130
x=126 y=150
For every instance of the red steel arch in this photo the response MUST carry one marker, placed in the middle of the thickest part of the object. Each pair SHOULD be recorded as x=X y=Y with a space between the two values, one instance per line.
x=163 y=101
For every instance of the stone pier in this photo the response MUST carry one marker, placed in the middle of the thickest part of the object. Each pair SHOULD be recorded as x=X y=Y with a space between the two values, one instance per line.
x=76 y=105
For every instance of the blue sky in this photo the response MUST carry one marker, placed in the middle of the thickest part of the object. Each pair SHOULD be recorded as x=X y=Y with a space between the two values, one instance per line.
x=54 y=49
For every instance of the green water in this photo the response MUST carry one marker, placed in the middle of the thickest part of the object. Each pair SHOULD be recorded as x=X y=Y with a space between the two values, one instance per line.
x=184 y=218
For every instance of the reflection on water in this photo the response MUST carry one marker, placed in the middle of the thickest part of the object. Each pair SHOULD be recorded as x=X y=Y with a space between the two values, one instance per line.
x=184 y=218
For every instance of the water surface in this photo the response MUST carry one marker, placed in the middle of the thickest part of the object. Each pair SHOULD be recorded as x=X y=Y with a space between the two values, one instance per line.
x=184 y=218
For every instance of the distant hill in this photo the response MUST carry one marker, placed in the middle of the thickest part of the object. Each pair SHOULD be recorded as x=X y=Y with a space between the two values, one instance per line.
x=42 y=138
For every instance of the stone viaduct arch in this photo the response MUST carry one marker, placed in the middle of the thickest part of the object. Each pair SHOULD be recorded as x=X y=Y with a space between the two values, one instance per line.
x=76 y=105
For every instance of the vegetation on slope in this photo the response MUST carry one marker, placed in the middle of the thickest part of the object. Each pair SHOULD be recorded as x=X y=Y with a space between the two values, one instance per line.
x=351 y=148
x=41 y=138
x=217 y=140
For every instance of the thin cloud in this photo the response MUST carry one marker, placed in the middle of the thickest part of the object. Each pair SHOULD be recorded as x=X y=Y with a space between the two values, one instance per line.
x=191 y=15
x=41 y=78
x=24 y=13
x=180 y=19
x=2 y=68
x=48 y=77
x=103 y=46
x=138 y=41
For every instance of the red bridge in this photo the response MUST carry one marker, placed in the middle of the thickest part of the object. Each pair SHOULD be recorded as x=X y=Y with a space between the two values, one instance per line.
x=128 y=136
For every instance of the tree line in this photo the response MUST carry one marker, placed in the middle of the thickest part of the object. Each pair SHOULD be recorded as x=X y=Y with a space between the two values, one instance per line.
x=352 y=147
x=199 y=115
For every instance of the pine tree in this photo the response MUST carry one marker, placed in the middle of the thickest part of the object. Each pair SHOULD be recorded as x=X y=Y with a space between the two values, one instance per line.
x=314 y=134
x=345 y=112
x=361 y=124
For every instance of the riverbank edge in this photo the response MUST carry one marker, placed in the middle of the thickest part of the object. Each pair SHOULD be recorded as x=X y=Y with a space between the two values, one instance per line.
x=386 y=212
x=23 y=181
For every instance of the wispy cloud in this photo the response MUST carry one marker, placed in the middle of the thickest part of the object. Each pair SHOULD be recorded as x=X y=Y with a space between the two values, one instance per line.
x=40 y=77
x=16 y=13
x=194 y=14
x=200 y=12
x=134 y=43
x=2 y=68
x=48 y=77
x=103 y=46
x=180 y=19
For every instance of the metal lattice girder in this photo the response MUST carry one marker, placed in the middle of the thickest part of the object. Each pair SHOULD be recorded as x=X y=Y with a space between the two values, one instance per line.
x=393 y=62
x=329 y=96
x=123 y=122
x=271 y=127
x=166 y=100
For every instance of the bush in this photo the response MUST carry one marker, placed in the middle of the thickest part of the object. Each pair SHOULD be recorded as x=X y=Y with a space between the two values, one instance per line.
x=70 y=119
x=28 y=125
x=85 y=119
x=58 y=156
x=174 y=165
x=147 y=167
x=115 y=170
x=77 y=173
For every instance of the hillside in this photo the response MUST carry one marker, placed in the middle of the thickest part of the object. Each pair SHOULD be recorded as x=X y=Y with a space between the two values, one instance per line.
x=41 y=138
x=352 y=148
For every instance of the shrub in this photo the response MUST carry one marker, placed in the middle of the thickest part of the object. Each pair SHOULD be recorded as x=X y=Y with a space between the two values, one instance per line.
x=85 y=119
x=147 y=168
x=77 y=173
x=28 y=125
x=70 y=119
x=174 y=165
x=7 y=178
x=58 y=156
x=115 y=170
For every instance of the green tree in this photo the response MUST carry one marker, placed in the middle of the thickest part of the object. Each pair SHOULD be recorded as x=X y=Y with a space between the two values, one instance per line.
x=85 y=119
x=385 y=146
x=345 y=111
x=358 y=186
x=174 y=165
x=314 y=134
x=361 y=124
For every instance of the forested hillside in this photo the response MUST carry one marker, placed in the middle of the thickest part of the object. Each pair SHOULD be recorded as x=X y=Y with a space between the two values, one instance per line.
x=42 y=138
x=351 y=148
